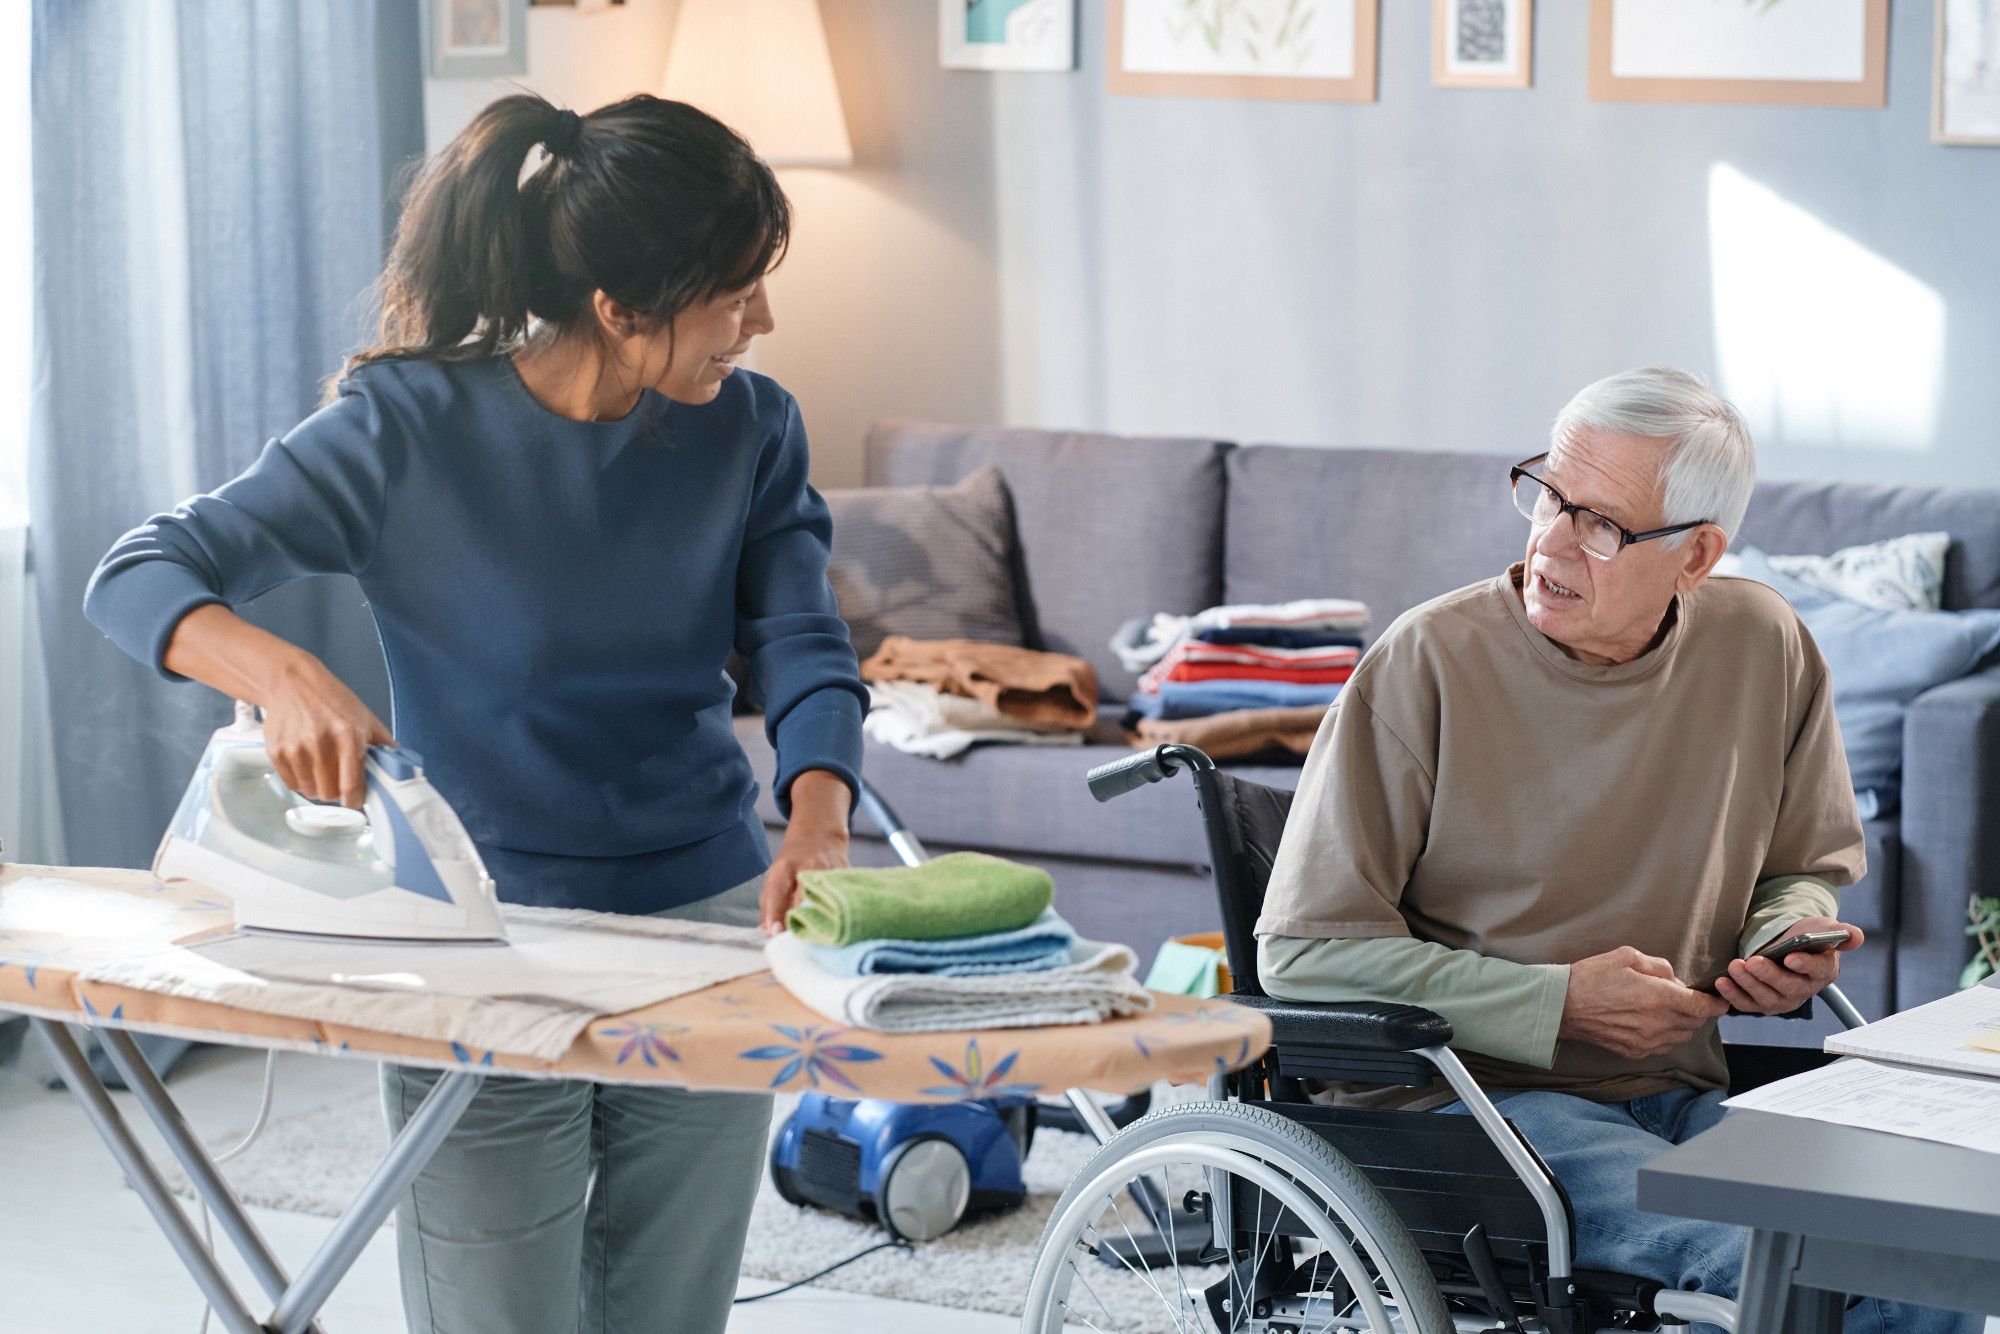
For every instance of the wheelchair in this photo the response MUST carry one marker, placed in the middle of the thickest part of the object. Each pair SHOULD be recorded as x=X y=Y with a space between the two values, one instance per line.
x=1256 y=1209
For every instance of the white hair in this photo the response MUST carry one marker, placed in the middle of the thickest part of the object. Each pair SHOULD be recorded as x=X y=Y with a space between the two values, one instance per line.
x=1709 y=466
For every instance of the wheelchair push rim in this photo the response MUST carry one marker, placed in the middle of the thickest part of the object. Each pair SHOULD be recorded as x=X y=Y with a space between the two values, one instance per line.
x=1340 y=1212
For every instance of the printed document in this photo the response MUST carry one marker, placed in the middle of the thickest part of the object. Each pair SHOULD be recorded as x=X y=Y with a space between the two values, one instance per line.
x=1959 y=1032
x=1924 y=1104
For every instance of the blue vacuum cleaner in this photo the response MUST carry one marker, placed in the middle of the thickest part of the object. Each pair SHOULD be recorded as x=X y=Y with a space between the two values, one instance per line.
x=916 y=1169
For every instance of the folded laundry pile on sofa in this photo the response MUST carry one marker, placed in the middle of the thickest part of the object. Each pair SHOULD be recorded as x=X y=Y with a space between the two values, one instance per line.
x=963 y=941
x=1241 y=679
x=939 y=697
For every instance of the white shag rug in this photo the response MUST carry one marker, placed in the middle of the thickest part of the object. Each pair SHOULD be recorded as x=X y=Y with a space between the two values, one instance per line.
x=315 y=1162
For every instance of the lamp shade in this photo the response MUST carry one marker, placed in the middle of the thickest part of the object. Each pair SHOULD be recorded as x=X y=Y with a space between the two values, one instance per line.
x=761 y=67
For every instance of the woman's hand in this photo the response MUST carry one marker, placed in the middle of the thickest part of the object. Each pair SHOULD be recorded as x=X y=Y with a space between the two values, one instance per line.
x=316 y=730
x=815 y=840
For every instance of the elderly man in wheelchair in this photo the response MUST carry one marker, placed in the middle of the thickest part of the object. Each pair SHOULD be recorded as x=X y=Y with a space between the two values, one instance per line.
x=1532 y=853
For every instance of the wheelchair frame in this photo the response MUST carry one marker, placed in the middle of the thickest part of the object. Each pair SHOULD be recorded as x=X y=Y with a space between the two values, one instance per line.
x=1387 y=1044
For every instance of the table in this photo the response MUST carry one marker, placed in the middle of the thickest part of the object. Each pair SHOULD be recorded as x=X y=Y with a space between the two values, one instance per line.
x=748 y=1035
x=1837 y=1210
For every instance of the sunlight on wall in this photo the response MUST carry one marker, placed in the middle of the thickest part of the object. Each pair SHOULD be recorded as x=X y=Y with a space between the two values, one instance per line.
x=1819 y=340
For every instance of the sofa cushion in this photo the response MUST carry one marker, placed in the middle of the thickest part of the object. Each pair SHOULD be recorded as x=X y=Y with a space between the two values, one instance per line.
x=1030 y=799
x=1880 y=661
x=1393 y=528
x=1110 y=527
x=930 y=562
x=1816 y=518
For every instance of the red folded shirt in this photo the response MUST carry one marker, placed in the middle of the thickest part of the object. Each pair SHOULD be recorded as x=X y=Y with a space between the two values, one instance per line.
x=1225 y=671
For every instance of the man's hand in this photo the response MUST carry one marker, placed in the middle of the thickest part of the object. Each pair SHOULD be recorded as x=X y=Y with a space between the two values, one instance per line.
x=1779 y=986
x=815 y=840
x=1631 y=1004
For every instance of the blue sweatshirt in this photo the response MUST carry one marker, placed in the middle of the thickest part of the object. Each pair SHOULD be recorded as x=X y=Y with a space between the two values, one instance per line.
x=556 y=600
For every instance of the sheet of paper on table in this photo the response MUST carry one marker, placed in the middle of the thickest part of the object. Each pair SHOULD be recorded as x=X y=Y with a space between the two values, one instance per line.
x=1959 y=1032
x=1924 y=1104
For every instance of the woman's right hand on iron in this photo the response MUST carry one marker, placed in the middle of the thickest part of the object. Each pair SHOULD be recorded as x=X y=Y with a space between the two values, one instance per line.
x=317 y=733
x=316 y=730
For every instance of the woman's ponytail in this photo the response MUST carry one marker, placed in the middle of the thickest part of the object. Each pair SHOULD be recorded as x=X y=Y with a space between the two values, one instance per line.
x=653 y=202
x=472 y=259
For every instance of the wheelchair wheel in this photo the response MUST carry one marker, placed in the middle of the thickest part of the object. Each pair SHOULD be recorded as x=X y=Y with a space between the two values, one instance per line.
x=1311 y=1244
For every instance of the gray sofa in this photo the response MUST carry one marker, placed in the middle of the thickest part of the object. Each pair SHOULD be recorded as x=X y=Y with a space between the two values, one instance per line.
x=1113 y=527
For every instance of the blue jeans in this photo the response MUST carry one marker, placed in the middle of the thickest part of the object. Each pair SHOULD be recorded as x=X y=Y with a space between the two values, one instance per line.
x=1596 y=1149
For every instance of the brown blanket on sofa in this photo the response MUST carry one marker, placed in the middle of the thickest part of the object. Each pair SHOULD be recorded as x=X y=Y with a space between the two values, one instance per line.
x=1040 y=688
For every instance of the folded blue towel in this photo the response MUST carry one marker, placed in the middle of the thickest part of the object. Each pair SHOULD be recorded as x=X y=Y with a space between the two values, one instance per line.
x=1199 y=699
x=1042 y=943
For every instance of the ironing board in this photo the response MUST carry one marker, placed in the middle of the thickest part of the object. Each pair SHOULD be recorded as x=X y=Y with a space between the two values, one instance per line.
x=746 y=1035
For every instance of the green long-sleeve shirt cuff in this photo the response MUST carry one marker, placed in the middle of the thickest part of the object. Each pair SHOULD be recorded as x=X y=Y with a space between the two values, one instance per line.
x=1495 y=1006
x=1777 y=903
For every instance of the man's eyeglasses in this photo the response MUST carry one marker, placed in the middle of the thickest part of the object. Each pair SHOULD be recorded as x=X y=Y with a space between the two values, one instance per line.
x=1599 y=536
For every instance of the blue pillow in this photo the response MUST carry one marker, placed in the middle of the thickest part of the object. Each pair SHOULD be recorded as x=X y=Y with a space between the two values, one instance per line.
x=1881 y=660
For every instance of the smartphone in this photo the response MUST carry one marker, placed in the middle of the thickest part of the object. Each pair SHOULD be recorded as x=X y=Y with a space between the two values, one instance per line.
x=1805 y=942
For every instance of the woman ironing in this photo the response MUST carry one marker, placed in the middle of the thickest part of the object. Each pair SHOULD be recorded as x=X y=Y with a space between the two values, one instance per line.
x=565 y=505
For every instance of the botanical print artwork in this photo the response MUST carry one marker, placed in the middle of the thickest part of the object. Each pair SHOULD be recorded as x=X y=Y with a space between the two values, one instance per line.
x=1300 y=38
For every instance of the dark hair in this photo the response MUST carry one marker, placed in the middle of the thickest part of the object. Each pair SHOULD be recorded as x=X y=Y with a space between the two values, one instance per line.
x=653 y=202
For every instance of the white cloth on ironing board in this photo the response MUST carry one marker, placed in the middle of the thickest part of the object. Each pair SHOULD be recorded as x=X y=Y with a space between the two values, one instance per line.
x=560 y=969
x=1097 y=984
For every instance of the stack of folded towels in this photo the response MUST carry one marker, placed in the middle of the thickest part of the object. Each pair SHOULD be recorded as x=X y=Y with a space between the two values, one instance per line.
x=939 y=697
x=962 y=941
x=1240 y=679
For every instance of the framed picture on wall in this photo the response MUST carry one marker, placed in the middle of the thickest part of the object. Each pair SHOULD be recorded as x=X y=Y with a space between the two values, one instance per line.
x=1482 y=43
x=1007 y=34
x=1321 y=50
x=476 y=39
x=1830 y=53
x=1965 y=82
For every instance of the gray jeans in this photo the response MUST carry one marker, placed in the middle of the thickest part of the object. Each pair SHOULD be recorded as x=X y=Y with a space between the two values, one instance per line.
x=562 y=1205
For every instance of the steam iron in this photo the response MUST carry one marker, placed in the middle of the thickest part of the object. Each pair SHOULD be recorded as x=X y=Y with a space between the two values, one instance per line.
x=402 y=868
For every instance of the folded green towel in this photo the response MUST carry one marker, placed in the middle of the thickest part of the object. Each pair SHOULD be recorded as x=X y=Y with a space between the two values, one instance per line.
x=958 y=894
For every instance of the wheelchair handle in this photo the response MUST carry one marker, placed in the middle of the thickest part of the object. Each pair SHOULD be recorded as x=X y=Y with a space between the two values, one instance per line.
x=1147 y=766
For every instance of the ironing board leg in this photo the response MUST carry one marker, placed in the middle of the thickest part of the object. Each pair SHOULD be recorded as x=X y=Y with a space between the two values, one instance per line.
x=139 y=1170
x=145 y=1086
x=419 y=1139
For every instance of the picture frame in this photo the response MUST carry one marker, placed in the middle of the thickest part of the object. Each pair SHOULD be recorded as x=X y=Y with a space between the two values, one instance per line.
x=1829 y=53
x=1019 y=35
x=475 y=39
x=1483 y=43
x=1287 y=50
x=1965 y=73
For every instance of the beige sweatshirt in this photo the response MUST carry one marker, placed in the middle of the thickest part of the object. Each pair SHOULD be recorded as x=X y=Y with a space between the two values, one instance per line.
x=1501 y=810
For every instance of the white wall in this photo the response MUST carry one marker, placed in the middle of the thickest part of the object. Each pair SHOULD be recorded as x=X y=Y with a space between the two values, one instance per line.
x=1438 y=270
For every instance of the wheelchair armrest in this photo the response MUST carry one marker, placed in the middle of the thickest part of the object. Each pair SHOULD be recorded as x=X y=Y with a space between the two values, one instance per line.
x=1375 y=1026
x=1356 y=1042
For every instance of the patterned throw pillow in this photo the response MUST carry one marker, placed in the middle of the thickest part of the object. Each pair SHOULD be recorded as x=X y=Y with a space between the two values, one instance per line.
x=930 y=562
x=1901 y=574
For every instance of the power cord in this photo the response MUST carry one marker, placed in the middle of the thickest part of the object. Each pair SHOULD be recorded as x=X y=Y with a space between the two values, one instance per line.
x=256 y=1129
x=898 y=1244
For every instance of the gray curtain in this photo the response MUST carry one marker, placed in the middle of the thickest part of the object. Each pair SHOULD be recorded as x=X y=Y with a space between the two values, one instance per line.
x=214 y=186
